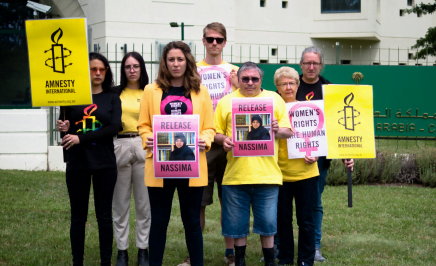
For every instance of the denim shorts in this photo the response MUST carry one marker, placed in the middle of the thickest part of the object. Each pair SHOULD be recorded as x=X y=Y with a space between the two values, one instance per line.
x=236 y=210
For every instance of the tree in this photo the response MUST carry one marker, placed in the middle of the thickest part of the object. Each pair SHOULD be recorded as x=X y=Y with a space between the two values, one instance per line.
x=427 y=43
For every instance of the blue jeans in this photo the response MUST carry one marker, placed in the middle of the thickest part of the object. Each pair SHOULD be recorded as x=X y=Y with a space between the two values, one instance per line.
x=161 y=200
x=304 y=193
x=317 y=210
x=236 y=210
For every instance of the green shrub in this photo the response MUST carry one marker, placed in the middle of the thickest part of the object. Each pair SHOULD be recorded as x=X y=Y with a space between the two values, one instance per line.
x=426 y=161
x=391 y=167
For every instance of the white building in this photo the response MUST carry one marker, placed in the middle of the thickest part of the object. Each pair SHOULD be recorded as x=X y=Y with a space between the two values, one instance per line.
x=264 y=31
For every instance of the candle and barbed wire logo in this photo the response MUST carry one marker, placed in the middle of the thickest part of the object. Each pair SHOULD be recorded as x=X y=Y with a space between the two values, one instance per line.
x=349 y=113
x=87 y=117
x=58 y=53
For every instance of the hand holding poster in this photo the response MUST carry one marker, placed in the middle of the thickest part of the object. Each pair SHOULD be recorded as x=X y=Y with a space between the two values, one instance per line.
x=217 y=80
x=176 y=153
x=251 y=127
x=349 y=121
x=58 y=62
x=307 y=122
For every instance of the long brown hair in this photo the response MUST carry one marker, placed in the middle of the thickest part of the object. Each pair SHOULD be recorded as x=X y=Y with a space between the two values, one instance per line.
x=191 y=80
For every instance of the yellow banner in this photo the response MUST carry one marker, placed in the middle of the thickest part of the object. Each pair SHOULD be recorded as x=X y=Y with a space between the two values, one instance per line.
x=58 y=61
x=349 y=121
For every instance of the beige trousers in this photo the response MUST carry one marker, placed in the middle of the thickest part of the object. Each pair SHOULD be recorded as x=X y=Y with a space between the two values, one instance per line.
x=130 y=164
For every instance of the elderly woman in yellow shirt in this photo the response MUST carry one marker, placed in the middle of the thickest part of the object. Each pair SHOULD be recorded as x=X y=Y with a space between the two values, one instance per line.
x=299 y=181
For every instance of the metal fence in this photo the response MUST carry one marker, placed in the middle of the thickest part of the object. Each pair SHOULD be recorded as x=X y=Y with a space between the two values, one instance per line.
x=271 y=54
x=264 y=54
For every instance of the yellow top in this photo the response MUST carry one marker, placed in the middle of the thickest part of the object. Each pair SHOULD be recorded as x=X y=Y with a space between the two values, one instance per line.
x=130 y=100
x=250 y=170
x=150 y=105
x=294 y=169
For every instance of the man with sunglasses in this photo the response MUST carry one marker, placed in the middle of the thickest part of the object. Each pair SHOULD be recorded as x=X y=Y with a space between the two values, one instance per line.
x=220 y=78
x=250 y=181
x=310 y=88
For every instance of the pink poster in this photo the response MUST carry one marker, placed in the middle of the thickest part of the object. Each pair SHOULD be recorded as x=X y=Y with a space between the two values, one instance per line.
x=308 y=125
x=217 y=80
x=251 y=127
x=175 y=146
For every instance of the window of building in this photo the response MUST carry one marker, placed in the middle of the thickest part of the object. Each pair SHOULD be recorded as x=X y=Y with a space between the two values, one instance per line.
x=375 y=63
x=402 y=12
x=263 y=61
x=284 y=4
x=410 y=56
x=402 y=64
x=345 y=62
x=283 y=61
x=419 y=14
x=340 y=6
x=262 y=3
x=274 y=51
x=410 y=2
x=15 y=89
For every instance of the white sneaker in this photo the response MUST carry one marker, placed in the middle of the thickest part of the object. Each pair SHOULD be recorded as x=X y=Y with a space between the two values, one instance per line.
x=318 y=256
x=186 y=262
x=230 y=260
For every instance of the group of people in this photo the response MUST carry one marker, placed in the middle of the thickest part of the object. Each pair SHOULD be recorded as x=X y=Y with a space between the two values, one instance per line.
x=110 y=143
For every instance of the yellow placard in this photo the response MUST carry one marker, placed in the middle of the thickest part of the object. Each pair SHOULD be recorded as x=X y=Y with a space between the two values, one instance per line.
x=349 y=121
x=58 y=62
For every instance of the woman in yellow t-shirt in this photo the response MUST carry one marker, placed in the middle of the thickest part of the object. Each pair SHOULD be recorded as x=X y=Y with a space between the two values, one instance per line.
x=299 y=181
x=130 y=163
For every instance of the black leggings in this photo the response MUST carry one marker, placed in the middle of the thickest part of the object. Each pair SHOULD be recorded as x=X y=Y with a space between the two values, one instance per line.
x=79 y=184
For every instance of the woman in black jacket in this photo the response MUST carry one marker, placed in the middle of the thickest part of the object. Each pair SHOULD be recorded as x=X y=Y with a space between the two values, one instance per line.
x=258 y=132
x=88 y=132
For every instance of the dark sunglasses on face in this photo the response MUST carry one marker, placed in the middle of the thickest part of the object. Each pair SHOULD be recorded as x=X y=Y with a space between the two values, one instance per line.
x=211 y=39
x=253 y=79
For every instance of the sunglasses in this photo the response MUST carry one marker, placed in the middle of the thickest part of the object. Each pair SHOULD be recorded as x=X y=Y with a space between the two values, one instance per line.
x=211 y=39
x=247 y=79
x=95 y=69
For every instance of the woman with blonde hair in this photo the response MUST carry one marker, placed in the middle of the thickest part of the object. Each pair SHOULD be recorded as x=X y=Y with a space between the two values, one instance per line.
x=299 y=181
x=177 y=91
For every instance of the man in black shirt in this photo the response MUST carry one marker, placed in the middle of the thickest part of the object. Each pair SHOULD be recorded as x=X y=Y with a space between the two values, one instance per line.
x=310 y=88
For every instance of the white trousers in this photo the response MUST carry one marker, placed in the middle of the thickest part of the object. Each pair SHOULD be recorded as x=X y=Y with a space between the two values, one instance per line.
x=130 y=163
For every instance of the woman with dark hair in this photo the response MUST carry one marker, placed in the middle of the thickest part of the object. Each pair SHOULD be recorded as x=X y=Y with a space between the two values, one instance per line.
x=130 y=163
x=177 y=91
x=88 y=138
x=181 y=151
x=258 y=132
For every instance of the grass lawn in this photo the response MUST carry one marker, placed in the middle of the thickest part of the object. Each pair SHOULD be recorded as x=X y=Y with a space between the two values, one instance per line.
x=388 y=225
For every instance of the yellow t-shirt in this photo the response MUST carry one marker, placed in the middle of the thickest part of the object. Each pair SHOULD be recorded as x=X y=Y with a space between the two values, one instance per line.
x=294 y=169
x=130 y=101
x=250 y=170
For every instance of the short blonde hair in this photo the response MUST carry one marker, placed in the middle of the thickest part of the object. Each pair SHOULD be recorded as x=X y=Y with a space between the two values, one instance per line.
x=287 y=72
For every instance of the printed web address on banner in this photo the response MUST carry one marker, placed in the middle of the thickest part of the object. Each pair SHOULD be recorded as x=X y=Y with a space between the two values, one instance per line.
x=63 y=101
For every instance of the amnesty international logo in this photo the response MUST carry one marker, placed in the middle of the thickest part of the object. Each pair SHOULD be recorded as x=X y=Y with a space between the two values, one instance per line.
x=349 y=121
x=58 y=62
x=94 y=125
x=57 y=53
x=349 y=113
